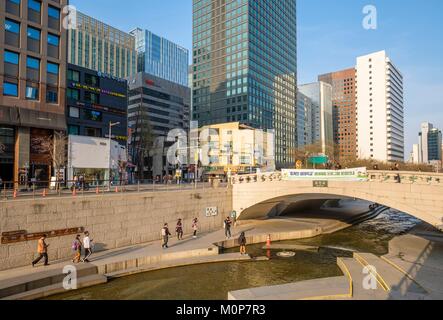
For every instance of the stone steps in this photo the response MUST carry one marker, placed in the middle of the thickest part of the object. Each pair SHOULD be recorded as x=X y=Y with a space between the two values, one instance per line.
x=336 y=288
x=57 y=288
x=399 y=285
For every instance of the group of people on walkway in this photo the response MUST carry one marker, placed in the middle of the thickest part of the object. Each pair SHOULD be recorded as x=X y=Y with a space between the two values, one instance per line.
x=165 y=233
x=77 y=245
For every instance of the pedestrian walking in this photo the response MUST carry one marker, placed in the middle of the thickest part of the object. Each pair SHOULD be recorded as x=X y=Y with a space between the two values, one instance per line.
x=195 y=227
x=165 y=235
x=42 y=250
x=179 y=229
x=242 y=243
x=77 y=248
x=87 y=245
x=227 y=225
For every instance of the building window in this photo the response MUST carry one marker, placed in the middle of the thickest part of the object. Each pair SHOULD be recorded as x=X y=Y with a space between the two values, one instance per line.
x=74 y=112
x=51 y=94
x=53 y=45
x=10 y=89
x=53 y=18
x=91 y=97
x=32 y=90
x=52 y=73
x=73 y=130
x=73 y=94
x=33 y=69
x=73 y=75
x=92 y=115
x=13 y=6
x=93 y=132
x=34 y=39
x=34 y=11
x=12 y=34
x=11 y=64
x=91 y=80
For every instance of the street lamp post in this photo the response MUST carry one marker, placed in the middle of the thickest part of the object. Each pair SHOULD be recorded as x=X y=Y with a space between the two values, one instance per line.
x=110 y=141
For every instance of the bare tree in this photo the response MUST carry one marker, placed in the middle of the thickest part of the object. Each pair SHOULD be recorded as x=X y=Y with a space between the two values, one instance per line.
x=54 y=147
x=142 y=140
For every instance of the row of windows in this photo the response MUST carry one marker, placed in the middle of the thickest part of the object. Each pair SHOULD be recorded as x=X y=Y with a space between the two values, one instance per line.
x=31 y=62
x=11 y=88
x=34 y=10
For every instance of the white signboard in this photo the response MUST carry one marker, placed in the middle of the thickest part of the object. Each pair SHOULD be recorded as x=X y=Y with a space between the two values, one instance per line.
x=356 y=174
x=211 y=212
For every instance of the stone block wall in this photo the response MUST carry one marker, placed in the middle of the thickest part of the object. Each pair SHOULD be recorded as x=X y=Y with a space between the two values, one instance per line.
x=114 y=221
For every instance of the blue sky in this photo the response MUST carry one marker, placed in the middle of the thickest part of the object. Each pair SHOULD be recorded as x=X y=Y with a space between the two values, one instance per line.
x=330 y=37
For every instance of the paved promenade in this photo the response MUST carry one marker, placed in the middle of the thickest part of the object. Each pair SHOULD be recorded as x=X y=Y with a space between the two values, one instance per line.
x=26 y=282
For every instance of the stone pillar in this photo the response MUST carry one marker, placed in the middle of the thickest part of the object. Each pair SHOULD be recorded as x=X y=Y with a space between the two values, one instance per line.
x=22 y=151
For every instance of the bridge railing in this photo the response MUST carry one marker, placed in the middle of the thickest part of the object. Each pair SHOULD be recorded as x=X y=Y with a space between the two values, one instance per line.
x=403 y=177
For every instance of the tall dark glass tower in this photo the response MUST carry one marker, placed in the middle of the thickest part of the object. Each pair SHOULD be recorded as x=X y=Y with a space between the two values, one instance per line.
x=245 y=67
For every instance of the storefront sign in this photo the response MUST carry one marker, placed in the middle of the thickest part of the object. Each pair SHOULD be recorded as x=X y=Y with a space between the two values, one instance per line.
x=357 y=174
x=97 y=90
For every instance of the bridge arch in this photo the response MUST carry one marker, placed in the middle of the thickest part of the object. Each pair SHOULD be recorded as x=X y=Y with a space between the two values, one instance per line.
x=257 y=198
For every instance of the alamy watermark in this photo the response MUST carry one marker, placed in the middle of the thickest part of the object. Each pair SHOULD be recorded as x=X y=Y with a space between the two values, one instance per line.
x=70 y=17
x=370 y=21
x=370 y=280
x=70 y=281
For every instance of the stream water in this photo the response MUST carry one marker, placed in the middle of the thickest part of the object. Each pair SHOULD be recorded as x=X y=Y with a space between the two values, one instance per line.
x=214 y=281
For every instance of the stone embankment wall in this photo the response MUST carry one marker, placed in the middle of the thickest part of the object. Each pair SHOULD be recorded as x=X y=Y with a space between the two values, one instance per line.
x=114 y=221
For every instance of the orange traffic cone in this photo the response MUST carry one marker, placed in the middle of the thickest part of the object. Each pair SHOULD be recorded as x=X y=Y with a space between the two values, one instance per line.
x=44 y=193
x=268 y=241
x=15 y=193
x=97 y=191
x=74 y=192
x=116 y=189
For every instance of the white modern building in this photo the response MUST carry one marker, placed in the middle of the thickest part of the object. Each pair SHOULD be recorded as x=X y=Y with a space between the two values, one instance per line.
x=96 y=160
x=380 y=112
x=320 y=93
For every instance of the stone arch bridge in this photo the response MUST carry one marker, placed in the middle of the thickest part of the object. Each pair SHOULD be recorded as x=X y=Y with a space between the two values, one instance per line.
x=418 y=194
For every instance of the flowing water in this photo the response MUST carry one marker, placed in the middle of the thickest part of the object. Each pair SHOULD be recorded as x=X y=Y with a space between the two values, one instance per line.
x=214 y=281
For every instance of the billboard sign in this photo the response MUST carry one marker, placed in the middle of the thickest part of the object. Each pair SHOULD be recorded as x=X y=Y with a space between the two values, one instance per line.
x=356 y=174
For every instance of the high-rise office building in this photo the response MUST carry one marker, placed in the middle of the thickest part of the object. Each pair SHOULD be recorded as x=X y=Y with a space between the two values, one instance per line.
x=434 y=145
x=160 y=57
x=423 y=143
x=344 y=112
x=320 y=94
x=245 y=67
x=163 y=104
x=97 y=46
x=380 y=114
x=304 y=120
x=93 y=102
x=33 y=84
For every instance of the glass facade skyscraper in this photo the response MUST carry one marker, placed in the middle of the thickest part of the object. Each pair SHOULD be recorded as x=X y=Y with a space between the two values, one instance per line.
x=160 y=57
x=434 y=145
x=245 y=67
x=97 y=46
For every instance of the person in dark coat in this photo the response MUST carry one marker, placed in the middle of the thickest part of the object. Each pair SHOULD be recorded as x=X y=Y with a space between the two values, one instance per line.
x=242 y=243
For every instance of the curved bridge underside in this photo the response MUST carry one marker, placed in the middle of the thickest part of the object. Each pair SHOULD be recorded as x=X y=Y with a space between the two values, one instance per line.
x=271 y=198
